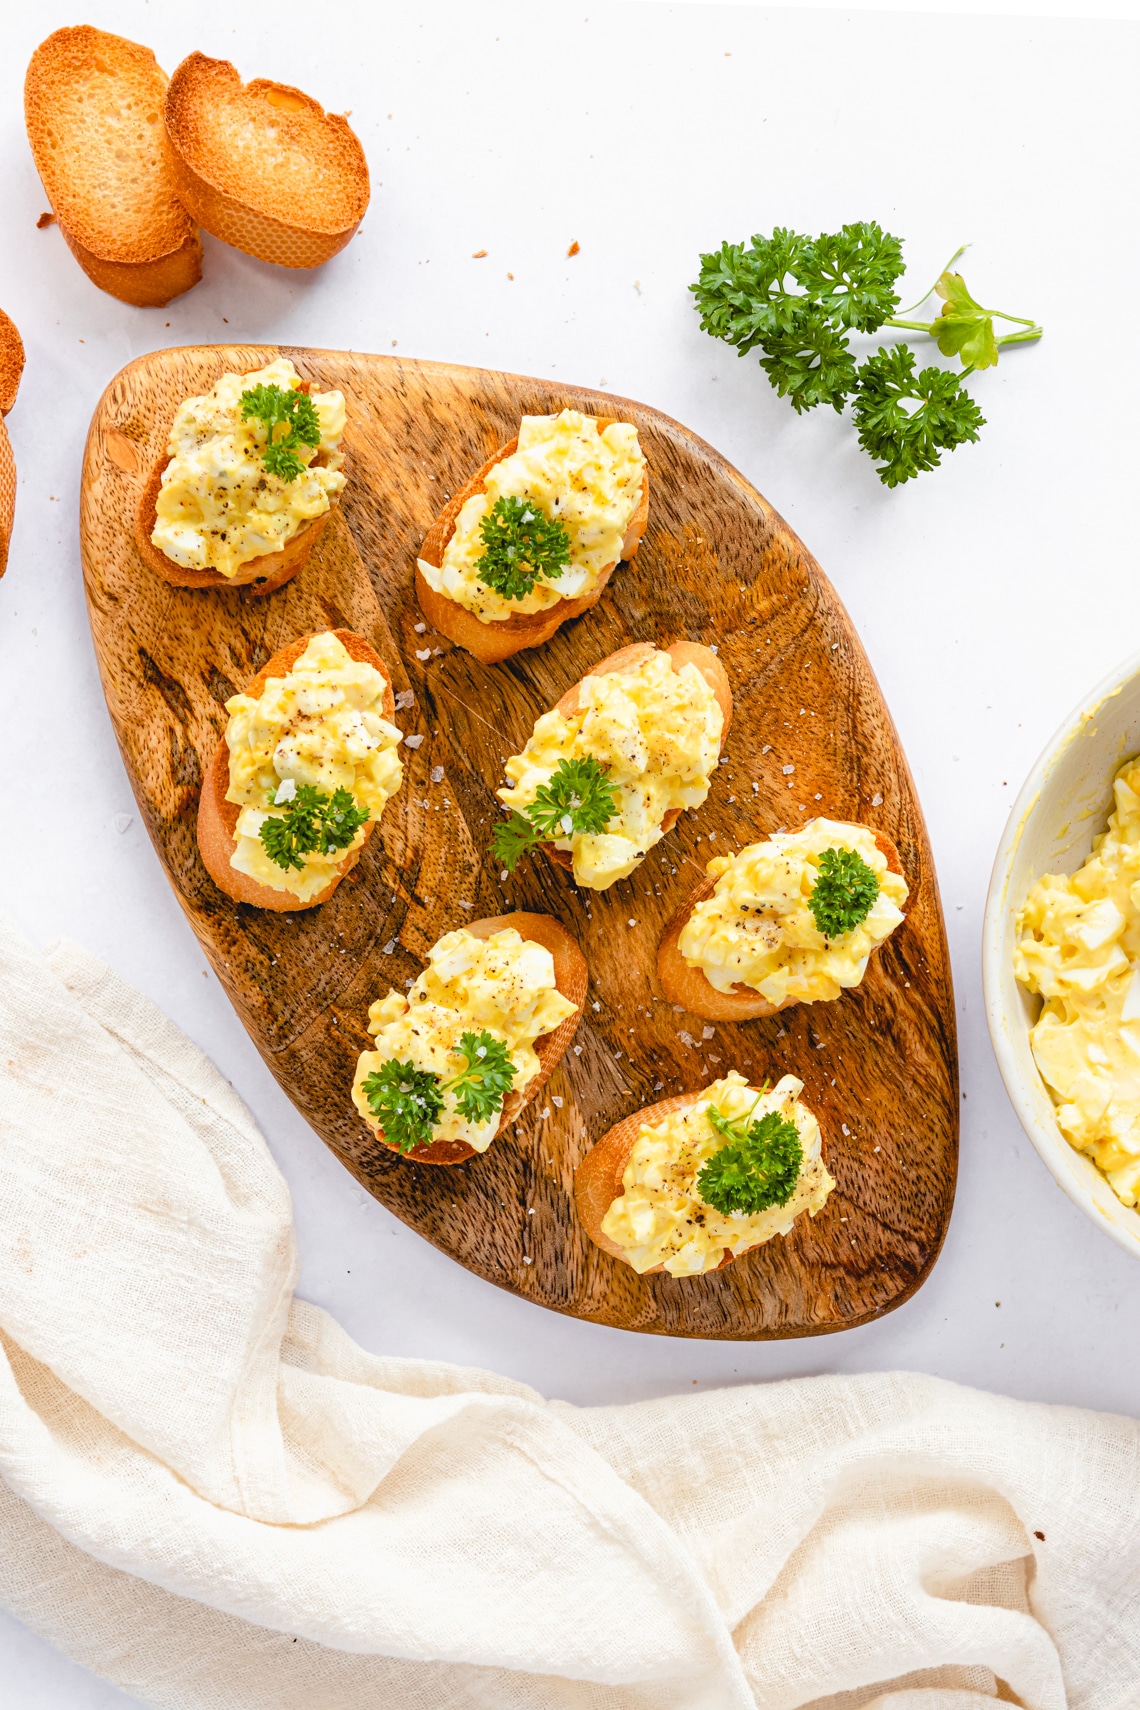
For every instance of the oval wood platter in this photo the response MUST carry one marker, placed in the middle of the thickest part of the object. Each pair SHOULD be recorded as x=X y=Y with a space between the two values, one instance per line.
x=717 y=565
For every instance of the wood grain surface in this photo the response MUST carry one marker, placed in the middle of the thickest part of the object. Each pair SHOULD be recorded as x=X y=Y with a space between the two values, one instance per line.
x=718 y=566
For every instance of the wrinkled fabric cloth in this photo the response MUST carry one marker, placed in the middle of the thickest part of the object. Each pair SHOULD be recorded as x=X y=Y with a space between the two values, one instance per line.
x=210 y=1496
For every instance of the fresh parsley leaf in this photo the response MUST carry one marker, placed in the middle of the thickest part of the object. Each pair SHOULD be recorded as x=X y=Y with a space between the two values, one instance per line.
x=758 y=1167
x=577 y=798
x=311 y=823
x=850 y=274
x=292 y=410
x=742 y=293
x=524 y=546
x=844 y=893
x=487 y=1078
x=905 y=419
x=964 y=329
x=810 y=365
x=406 y=1101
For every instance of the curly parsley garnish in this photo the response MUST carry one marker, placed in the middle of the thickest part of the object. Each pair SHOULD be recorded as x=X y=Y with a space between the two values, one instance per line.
x=797 y=299
x=408 y=1102
x=293 y=411
x=312 y=823
x=844 y=893
x=577 y=798
x=524 y=546
x=759 y=1166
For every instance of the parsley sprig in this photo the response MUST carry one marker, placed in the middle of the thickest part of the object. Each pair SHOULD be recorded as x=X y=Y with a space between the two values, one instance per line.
x=524 y=546
x=577 y=798
x=797 y=300
x=291 y=410
x=312 y=823
x=408 y=1102
x=759 y=1166
x=844 y=893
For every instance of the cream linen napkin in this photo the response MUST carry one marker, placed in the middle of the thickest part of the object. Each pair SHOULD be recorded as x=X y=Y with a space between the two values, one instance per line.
x=212 y=1497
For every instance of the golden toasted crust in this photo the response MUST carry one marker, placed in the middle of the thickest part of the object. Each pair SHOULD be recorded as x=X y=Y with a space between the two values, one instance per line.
x=262 y=165
x=688 y=986
x=11 y=362
x=491 y=642
x=628 y=659
x=217 y=818
x=571 y=977
x=7 y=495
x=93 y=106
x=598 y=1178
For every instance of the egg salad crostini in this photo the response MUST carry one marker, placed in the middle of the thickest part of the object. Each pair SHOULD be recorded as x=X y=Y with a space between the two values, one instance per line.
x=793 y=919
x=308 y=762
x=1078 y=949
x=536 y=533
x=608 y=771
x=251 y=472
x=689 y=1184
x=475 y=1039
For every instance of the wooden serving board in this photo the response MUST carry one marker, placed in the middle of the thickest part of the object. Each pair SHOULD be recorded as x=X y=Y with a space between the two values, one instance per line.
x=717 y=565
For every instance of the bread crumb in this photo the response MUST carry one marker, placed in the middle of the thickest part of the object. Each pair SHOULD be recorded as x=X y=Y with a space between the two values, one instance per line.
x=47 y=218
x=478 y=254
x=575 y=248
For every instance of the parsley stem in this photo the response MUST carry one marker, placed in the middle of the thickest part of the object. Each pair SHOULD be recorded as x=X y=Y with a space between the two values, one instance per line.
x=1021 y=337
x=913 y=326
x=961 y=250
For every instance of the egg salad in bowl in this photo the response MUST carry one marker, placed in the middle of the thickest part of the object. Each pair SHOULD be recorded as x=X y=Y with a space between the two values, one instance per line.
x=457 y=1055
x=608 y=770
x=251 y=464
x=312 y=761
x=1078 y=949
x=548 y=520
x=793 y=919
x=689 y=1184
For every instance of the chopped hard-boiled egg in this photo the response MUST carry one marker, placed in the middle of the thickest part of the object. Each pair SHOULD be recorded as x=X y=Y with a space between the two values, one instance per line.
x=589 y=481
x=655 y=731
x=1079 y=949
x=503 y=985
x=322 y=724
x=757 y=928
x=218 y=506
x=661 y=1219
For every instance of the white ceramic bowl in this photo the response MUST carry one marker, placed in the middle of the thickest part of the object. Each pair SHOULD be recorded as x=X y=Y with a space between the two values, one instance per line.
x=1063 y=805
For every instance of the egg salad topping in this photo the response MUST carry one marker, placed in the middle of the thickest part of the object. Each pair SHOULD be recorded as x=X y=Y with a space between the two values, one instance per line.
x=322 y=725
x=588 y=482
x=219 y=506
x=661 y=1217
x=655 y=731
x=502 y=986
x=1079 y=948
x=758 y=929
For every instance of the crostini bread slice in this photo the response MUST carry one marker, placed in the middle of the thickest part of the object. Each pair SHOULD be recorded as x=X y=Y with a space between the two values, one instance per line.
x=93 y=107
x=262 y=165
x=598 y=1178
x=217 y=818
x=628 y=659
x=11 y=367
x=571 y=977
x=491 y=642
x=688 y=986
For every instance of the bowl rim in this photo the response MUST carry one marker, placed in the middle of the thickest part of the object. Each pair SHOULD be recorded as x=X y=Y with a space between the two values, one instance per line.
x=1048 y=1141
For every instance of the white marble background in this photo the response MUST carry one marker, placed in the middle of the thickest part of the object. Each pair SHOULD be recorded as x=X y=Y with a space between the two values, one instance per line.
x=989 y=594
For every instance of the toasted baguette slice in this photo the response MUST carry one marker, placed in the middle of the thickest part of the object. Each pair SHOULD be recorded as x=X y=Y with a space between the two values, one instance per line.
x=11 y=362
x=571 y=977
x=93 y=106
x=262 y=165
x=217 y=818
x=491 y=642
x=11 y=367
x=628 y=659
x=598 y=1178
x=262 y=575
x=688 y=986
